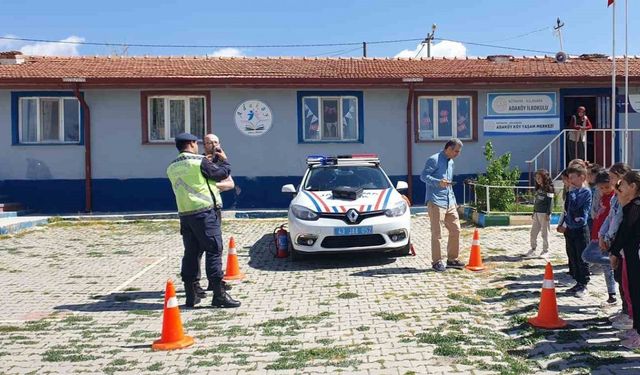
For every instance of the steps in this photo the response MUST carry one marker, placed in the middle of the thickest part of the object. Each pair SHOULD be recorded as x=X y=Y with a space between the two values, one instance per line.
x=10 y=225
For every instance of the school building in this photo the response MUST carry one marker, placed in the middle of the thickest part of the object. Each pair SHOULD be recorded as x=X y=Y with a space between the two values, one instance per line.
x=96 y=133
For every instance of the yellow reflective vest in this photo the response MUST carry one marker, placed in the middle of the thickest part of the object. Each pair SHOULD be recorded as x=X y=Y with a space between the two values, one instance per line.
x=190 y=187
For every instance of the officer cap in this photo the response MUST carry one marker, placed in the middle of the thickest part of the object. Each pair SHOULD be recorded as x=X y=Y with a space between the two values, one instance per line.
x=185 y=137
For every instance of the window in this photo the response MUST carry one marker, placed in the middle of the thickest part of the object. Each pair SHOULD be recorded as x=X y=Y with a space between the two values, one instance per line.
x=445 y=117
x=327 y=116
x=167 y=113
x=43 y=119
x=172 y=115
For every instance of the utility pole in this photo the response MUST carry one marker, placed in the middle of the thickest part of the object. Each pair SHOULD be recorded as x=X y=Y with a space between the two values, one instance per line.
x=364 y=49
x=558 y=28
x=429 y=39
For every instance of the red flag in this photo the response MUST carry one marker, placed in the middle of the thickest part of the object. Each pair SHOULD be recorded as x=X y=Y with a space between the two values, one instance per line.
x=609 y=2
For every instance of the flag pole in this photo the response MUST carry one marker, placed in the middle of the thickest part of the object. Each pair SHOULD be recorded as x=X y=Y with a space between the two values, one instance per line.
x=613 y=87
x=626 y=81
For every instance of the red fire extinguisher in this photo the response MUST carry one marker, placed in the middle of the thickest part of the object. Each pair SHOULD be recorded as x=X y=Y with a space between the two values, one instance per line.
x=281 y=239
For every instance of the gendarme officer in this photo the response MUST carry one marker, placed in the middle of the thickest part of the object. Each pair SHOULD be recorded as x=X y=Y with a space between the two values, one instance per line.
x=199 y=225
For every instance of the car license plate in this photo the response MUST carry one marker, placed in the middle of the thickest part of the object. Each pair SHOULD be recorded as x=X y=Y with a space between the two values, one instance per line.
x=353 y=231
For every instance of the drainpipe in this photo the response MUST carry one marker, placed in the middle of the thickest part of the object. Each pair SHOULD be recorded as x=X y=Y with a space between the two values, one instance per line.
x=410 y=143
x=87 y=148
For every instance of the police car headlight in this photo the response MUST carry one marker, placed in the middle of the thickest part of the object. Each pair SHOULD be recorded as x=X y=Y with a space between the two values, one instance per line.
x=397 y=210
x=303 y=213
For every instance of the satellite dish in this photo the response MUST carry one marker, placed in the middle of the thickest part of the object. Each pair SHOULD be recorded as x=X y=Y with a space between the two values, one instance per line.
x=561 y=57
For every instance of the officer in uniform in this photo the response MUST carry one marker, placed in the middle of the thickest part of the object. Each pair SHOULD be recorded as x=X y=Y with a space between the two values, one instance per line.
x=199 y=219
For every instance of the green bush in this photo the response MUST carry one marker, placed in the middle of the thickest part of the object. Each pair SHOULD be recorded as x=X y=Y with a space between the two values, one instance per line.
x=499 y=173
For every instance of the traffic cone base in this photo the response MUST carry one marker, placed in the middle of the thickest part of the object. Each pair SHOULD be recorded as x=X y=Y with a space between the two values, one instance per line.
x=172 y=334
x=475 y=258
x=182 y=343
x=548 y=310
x=233 y=268
x=540 y=323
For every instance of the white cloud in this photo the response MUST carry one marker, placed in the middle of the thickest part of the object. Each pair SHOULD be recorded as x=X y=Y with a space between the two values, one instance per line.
x=226 y=52
x=442 y=49
x=8 y=45
x=52 y=48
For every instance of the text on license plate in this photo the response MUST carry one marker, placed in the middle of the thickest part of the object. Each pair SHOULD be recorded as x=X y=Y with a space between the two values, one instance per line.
x=352 y=231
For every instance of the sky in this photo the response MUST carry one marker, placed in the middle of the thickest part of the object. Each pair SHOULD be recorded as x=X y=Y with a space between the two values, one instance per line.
x=237 y=28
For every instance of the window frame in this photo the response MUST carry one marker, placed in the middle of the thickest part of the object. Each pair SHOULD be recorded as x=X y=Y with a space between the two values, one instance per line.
x=321 y=96
x=17 y=97
x=167 y=96
x=445 y=95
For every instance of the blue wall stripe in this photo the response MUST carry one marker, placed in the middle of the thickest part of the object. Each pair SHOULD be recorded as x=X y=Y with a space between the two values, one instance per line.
x=155 y=194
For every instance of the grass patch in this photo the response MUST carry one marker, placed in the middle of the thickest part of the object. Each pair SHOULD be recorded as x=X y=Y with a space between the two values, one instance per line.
x=291 y=324
x=77 y=319
x=235 y=331
x=449 y=350
x=490 y=292
x=119 y=364
x=278 y=309
x=464 y=299
x=348 y=295
x=459 y=309
x=363 y=328
x=62 y=354
x=280 y=346
x=155 y=367
x=338 y=356
x=567 y=336
x=392 y=316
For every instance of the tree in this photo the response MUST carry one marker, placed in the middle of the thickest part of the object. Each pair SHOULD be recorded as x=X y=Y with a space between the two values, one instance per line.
x=499 y=173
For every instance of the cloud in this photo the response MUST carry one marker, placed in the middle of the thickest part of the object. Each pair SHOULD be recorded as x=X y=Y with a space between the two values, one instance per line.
x=226 y=52
x=442 y=49
x=42 y=48
x=53 y=48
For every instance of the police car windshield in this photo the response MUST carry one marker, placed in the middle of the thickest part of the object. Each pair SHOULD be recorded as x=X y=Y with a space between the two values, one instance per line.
x=322 y=178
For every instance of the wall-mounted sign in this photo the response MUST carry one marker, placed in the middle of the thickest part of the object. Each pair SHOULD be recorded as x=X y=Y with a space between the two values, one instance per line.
x=534 y=104
x=253 y=117
x=523 y=125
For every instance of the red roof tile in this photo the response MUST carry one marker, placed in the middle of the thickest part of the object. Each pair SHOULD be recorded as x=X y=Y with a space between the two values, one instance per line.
x=292 y=70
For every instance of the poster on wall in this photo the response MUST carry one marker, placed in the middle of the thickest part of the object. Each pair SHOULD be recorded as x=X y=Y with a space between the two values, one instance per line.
x=253 y=117
x=518 y=113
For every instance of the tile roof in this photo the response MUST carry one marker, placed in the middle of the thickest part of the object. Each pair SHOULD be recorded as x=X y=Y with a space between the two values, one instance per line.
x=290 y=70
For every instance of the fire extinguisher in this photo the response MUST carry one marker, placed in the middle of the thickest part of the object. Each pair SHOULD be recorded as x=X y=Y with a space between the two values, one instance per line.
x=281 y=240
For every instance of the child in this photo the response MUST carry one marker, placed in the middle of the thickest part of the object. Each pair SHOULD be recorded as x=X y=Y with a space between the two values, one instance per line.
x=541 y=212
x=593 y=253
x=577 y=232
x=594 y=169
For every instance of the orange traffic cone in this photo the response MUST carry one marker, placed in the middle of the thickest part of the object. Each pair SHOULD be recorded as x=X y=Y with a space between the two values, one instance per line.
x=475 y=258
x=172 y=335
x=548 y=309
x=233 y=269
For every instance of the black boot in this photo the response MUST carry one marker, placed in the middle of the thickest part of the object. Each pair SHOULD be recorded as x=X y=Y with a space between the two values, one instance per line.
x=225 y=286
x=199 y=291
x=190 y=294
x=220 y=297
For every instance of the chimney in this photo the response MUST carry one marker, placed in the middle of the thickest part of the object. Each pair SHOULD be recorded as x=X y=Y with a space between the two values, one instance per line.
x=11 y=58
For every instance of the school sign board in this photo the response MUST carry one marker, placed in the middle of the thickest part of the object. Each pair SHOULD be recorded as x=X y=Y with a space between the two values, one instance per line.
x=519 y=113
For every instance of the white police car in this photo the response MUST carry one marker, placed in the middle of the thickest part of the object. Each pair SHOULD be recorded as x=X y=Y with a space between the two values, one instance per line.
x=347 y=203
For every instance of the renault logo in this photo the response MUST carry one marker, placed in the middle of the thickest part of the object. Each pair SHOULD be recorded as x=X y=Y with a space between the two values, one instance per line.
x=352 y=215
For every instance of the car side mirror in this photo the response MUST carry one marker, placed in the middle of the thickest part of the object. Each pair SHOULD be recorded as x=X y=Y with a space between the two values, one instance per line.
x=402 y=185
x=288 y=188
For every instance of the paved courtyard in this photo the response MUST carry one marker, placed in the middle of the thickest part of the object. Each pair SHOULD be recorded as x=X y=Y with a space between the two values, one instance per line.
x=86 y=297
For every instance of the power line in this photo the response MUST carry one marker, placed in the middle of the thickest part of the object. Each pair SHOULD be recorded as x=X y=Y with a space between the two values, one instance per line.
x=520 y=35
x=495 y=46
x=127 y=45
x=119 y=44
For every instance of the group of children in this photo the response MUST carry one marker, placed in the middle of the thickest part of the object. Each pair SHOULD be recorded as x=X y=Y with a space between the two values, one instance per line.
x=601 y=226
